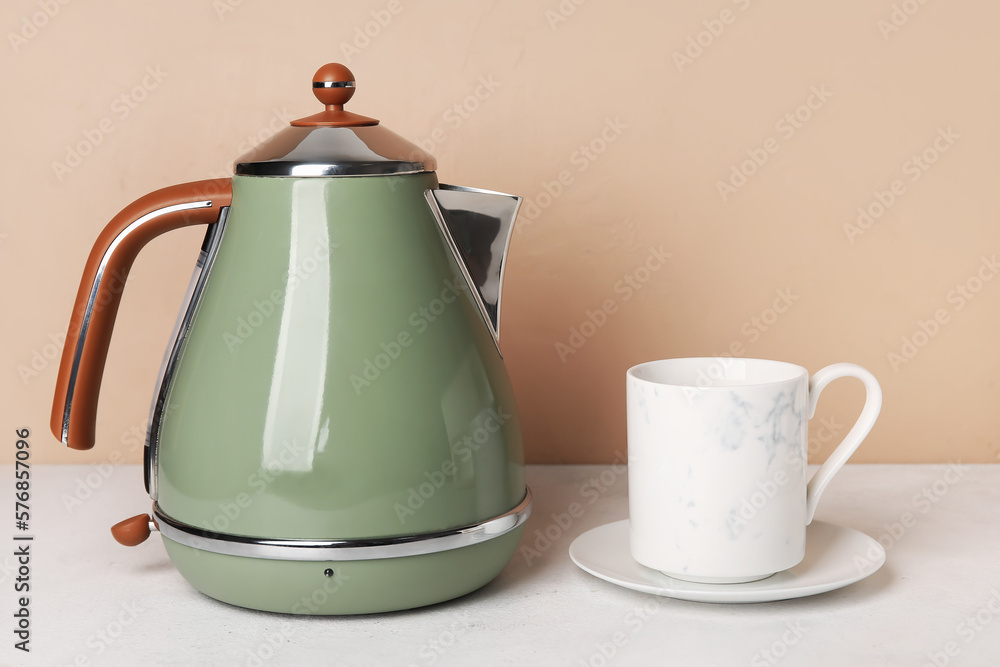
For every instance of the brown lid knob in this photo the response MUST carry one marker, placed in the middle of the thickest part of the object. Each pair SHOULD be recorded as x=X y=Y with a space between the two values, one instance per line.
x=333 y=85
x=131 y=531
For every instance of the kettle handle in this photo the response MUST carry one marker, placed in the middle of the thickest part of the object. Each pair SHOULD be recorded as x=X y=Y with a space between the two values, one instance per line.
x=74 y=407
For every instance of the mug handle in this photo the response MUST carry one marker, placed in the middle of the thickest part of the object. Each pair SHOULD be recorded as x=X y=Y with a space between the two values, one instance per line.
x=857 y=434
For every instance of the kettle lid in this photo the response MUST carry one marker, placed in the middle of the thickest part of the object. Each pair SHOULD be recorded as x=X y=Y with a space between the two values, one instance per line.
x=334 y=142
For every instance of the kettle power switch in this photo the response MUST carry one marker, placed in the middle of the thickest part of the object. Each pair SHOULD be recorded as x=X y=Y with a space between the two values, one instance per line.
x=132 y=531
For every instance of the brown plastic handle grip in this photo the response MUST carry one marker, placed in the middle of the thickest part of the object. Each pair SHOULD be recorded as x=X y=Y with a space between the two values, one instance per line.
x=74 y=407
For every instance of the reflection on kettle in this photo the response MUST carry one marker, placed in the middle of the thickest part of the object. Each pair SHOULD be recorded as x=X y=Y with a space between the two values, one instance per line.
x=333 y=430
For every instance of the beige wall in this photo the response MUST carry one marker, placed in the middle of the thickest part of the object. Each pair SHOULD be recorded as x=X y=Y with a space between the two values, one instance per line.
x=663 y=133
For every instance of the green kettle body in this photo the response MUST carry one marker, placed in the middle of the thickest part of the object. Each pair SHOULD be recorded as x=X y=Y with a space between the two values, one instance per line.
x=337 y=380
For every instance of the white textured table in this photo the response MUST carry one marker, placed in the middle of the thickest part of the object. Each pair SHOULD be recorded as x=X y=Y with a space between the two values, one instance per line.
x=936 y=601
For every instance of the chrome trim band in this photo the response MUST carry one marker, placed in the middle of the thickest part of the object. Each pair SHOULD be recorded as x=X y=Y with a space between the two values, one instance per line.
x=81 y=341
x=347 y=169
x=341 y=550
x=333 y=84
x=189 y=306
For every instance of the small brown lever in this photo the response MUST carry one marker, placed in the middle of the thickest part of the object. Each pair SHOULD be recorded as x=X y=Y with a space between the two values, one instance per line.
x=132 y=531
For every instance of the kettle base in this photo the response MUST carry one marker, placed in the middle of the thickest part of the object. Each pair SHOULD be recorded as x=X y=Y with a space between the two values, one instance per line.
x=326 y=588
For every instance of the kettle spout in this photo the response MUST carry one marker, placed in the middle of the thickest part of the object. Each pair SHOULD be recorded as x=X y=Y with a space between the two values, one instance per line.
x=476 y=226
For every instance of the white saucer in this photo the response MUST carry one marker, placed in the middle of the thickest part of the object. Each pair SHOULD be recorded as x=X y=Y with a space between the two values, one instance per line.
x=835 y=557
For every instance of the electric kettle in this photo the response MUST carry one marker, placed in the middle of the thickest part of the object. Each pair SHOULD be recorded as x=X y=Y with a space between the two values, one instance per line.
x=333 y=430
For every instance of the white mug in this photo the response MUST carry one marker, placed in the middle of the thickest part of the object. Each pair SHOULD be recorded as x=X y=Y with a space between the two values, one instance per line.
x=717 y=452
